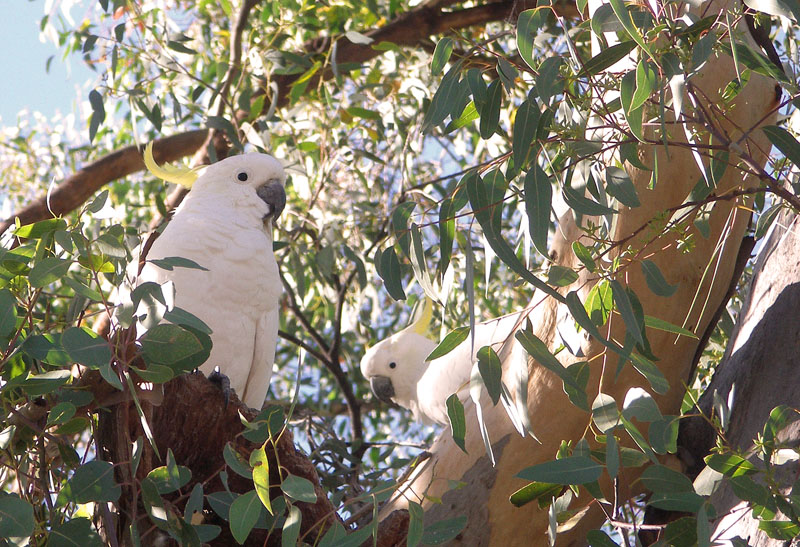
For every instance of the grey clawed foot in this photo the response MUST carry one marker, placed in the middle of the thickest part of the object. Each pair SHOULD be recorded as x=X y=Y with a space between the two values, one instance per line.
x=223 y=382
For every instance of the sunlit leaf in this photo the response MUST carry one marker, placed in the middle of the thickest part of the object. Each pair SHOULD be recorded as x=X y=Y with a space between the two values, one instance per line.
x=449 y=343
x=534 y=491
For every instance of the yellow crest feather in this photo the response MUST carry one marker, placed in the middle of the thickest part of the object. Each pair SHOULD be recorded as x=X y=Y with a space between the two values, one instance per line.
x=422 y=322
x=184 y=176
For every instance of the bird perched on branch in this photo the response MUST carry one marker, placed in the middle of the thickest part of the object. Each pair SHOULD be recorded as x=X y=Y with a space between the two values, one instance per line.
x=225 y=226
x=398 y=372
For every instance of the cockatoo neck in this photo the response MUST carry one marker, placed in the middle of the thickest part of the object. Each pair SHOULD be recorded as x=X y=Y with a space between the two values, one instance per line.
x=250 y=209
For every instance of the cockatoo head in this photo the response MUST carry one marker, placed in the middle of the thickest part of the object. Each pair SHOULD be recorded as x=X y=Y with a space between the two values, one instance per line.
x=240 y=177
x=253 y=183
x=394 y=365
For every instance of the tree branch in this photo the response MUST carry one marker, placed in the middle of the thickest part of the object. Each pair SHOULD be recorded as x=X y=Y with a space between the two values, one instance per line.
x=75 y=190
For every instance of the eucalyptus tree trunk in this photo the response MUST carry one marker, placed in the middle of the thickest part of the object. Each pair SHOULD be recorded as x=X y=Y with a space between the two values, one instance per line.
x=758 y=373
x=703 y=275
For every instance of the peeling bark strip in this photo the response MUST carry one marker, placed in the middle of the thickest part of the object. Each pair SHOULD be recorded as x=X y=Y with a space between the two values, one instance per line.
x=703 y=276
x=410 y=29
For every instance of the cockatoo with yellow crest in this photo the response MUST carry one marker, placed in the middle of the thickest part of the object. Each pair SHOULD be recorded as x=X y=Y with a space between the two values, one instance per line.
x=225 y=226
x=398 y=372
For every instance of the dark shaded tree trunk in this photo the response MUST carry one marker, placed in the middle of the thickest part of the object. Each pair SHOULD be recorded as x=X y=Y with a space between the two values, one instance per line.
x=758 y=372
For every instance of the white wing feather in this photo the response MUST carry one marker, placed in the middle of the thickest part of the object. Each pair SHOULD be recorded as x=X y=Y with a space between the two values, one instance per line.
x=450 y=373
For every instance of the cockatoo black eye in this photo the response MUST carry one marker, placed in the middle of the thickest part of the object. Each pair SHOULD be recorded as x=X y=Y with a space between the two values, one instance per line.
x=392 y=365
x=242 y=176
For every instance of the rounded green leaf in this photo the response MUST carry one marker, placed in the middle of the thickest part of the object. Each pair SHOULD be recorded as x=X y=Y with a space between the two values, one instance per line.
x=86 y=347
x=16 y=516
x=168 y=480
x=74 y=533
x=61 y=413
x=180 y=348
x=299 y=489
x=605 y=412
x=244 y=513
x=93 y=481
x=47 y=271
x=663 y=480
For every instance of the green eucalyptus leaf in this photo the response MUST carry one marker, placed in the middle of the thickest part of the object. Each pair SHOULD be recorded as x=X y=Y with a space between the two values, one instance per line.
x=71 y=533
x=607 y=58
x=490 y=111
x=299 y=489
x=443 y=531
x=244 y=513
x=16 y=516
x=569 y=470
x=441 y=55
x=655 y=279
x=535 y=491
x=93 y=481
x=458 y=424
x=784 y=141
x=538 y=201
x=449 y=343
x=491 y=372
x=528 y=24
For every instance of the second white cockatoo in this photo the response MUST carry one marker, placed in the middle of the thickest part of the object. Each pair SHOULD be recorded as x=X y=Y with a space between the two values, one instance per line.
x=225 y=226
x=398 y=372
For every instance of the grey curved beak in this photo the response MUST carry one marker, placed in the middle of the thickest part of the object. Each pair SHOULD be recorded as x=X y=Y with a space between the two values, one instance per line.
x=274 y=195
x=382 y=388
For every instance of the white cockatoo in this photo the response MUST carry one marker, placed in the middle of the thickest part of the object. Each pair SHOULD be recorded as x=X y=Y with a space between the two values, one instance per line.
x=398 y=372
x=225 y=225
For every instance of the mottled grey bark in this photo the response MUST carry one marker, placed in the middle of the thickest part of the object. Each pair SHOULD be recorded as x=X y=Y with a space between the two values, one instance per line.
x=761 y=367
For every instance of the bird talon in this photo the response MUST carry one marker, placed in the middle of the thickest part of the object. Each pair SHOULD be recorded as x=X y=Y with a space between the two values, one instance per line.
x=223 y=382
